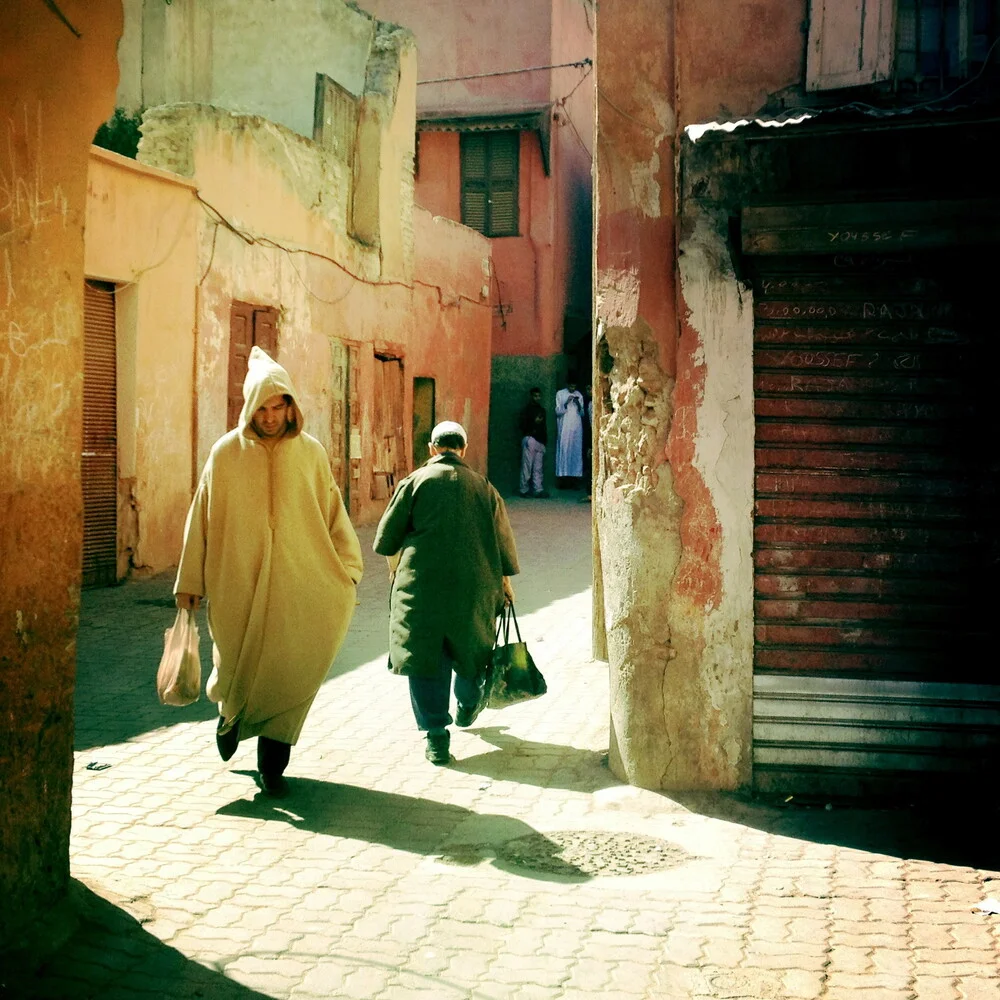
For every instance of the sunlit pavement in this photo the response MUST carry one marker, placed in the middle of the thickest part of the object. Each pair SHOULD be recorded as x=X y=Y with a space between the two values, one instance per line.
x=524 y=870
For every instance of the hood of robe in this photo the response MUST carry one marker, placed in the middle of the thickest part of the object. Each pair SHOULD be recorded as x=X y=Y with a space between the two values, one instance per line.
x=266 y=378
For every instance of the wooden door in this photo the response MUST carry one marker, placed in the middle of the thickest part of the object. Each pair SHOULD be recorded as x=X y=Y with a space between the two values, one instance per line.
x=339 y=419
x=388 y=442
x=423 y=419
x=249 y=326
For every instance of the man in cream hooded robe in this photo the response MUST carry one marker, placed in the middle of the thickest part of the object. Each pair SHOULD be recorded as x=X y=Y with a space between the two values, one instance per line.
x=268 y=541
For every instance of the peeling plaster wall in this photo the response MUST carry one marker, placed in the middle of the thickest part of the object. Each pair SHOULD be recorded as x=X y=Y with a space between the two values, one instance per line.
x=637 y=508
x=476 y=36
x=711 y=450
x=544 y=273
x=285 y=197
x=675 y=414
x=55 y=88
x=253 y=56
x=734 y=57
x=142 y=234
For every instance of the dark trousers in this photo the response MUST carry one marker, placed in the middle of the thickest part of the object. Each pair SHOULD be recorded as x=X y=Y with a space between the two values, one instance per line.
x=430 y=696
x=272 y=755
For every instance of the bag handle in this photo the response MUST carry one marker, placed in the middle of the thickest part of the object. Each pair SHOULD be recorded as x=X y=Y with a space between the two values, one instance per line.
x=513 y=617
x=503 y=625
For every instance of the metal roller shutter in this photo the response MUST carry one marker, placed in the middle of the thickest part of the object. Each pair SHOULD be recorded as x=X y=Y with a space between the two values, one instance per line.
x=874 y=542
x=99 y=463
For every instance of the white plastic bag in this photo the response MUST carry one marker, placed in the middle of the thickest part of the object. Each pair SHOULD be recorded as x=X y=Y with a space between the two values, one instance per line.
x=178 y=680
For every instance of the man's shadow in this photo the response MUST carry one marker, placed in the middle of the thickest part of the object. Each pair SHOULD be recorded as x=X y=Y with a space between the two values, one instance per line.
x=548 y=765
x=421 y=826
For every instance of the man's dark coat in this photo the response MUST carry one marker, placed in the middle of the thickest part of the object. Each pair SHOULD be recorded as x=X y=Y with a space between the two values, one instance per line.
x=450 y=527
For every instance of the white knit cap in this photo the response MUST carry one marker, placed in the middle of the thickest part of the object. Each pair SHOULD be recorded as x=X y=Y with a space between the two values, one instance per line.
x=446 y=428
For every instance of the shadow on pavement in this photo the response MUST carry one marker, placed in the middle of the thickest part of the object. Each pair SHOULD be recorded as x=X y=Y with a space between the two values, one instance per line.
x=548 y=765
x=401 y=822
x=120 y=637
x=110 y=957
x=956 y=833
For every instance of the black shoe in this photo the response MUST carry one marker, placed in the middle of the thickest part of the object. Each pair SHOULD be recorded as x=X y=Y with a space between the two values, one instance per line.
x=523 y=494
x=274 y=785
x=465 y=715
x=438 y=749
x=227 y=740
x=541 y=495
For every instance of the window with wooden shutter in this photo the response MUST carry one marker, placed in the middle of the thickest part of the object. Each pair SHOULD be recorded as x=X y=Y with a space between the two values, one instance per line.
x=490 y=182
x=249 y=326
x=335 y=118
x=851 y=43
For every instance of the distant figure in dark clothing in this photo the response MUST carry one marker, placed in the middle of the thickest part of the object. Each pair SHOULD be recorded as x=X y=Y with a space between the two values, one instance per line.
x=533 y=441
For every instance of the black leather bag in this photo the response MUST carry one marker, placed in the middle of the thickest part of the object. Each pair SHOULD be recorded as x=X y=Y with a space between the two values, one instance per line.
x=511 y=676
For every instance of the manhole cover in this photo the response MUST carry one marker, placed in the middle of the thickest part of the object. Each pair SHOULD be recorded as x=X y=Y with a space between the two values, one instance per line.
x=592 y=853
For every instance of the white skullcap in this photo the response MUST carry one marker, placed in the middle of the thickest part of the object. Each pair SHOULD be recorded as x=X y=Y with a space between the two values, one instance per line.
x=445 y=429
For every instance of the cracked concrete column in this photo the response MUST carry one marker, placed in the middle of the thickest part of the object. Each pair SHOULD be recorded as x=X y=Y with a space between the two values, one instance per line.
x=673 y=488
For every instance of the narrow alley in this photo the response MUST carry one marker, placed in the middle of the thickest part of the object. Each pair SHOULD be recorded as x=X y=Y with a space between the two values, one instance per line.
x=525 y=871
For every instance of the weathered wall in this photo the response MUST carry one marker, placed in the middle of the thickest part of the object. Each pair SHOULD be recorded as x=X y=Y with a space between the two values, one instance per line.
x=286 y=198
x=56 y=87
x=439 y=174
x=543 y=273
x=253 y=56
x=142 y=234
x=476 y=36
x=524 y=266
x=710 y=449
x=672 y=516
x=573 y=151
x=450 y=338
x=734 y=57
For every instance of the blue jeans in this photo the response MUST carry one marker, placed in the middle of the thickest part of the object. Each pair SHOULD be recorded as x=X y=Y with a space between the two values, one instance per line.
x=430 y=695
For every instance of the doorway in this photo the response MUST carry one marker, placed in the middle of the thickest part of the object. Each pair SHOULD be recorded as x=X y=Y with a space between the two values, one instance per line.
x=99 y=458
x=423 y=419
x=388 y=444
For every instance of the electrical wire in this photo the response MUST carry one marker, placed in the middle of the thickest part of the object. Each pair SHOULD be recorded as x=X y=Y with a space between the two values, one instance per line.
x=625 y=114
x=561 y=104
x=576 y=132
x=269 y=244
x=580 y=63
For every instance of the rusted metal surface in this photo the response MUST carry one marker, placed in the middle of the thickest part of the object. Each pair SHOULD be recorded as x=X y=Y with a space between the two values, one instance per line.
x=858 y=735
x=99 y=462
x=874 y=510
x=864 y=229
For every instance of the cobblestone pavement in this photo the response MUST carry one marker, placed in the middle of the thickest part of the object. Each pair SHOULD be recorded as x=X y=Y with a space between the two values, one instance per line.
x=524 y=871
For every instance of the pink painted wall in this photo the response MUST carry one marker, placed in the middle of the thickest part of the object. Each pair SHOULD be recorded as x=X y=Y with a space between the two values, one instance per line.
x=523 y=266
x=464 y=37
x=733 y=54
x=545 y=270
x=439 y=174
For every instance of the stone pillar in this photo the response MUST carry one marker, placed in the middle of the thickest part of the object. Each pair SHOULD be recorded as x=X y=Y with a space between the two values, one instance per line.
x=680 y=700
x=57 y=84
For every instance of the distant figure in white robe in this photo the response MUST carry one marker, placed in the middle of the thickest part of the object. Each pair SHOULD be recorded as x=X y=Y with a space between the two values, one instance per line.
x=569 y=435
